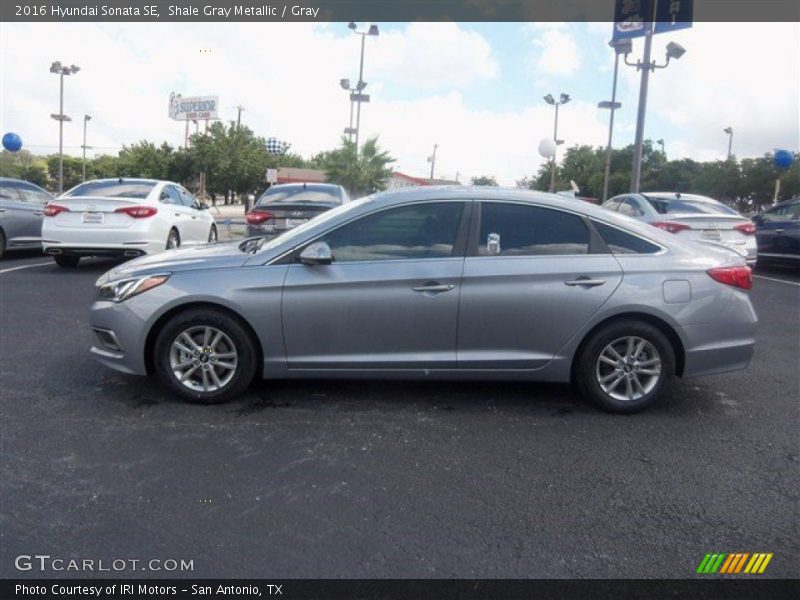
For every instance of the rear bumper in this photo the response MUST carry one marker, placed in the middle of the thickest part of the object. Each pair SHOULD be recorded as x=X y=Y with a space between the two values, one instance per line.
x=727 y=344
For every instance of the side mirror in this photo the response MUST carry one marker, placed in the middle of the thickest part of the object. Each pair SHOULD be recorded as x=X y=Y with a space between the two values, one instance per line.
x=318 y=253
x=201 y=206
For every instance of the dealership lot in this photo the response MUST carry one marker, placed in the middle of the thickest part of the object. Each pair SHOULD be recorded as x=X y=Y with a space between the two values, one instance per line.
x=377 y=479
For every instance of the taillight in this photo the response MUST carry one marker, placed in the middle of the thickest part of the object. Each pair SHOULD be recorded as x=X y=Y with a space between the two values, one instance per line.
x=51 y=210
x=736 y=276
x=746 y=228
x=257 y=217
x=138 y=212
x=670 y=226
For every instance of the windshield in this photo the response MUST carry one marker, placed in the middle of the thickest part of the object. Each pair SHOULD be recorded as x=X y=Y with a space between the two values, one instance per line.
x=308 y=193
x=665 y=206
x=113 y=189
x=254 y=245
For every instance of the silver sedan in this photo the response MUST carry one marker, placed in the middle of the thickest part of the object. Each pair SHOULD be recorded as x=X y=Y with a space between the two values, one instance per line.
x=445 y=283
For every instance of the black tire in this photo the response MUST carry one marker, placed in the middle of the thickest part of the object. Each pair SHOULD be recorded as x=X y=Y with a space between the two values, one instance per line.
x=212 y=235
x=173 y=239
x=67 y=261
x=242 y=341
x=587 y=371
x=2 y=243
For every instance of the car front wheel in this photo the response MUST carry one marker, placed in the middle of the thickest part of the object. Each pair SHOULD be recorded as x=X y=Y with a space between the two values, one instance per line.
x=205 y=355
x=625 y=366
x=68 y=261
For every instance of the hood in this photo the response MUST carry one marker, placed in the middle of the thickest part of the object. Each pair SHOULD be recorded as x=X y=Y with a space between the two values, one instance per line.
x=208 y=256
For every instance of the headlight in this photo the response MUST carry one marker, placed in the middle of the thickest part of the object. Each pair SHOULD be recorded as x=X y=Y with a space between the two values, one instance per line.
x=122 y=289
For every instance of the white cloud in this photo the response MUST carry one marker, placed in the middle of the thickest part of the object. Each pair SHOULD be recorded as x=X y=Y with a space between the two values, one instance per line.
x=555 y=50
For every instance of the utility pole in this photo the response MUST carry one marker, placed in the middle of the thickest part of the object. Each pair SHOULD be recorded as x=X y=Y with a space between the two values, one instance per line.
x=729 y=131
x=620 y=47
x=239 y=108
x=61 y=70
x=86 y=119
x=360 y=97
x=432 y=159
x=636 y=172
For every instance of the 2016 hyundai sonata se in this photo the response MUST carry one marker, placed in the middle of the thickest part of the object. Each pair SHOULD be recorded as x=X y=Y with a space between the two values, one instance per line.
x=456 y=283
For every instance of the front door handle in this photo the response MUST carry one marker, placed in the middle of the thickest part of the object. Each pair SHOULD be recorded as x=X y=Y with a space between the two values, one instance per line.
x=433 y=287
x=2 y=210
x=585 y=281
x=779 y=231
x=38 y=213
x=177 y=214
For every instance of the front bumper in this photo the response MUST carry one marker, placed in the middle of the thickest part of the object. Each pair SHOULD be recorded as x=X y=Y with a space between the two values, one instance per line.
x=119 y=336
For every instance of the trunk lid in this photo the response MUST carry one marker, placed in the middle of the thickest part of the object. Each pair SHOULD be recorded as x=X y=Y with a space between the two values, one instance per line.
x=95 y=212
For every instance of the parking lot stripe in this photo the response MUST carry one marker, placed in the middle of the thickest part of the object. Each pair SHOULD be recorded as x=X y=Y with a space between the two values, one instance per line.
x=775 y=279
x=25 y=267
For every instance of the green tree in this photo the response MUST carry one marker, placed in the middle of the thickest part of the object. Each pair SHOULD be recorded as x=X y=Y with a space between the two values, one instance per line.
x=484 y=180
x=233 y=159
x=362 y=175
x=145 y=159
x=73 y=170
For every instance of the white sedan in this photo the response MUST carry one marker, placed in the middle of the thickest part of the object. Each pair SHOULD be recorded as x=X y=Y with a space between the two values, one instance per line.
x=123 y=217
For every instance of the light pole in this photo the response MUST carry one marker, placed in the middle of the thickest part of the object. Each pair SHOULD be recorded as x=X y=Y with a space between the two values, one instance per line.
x=432 y=159
x=345 y=85
x=660 y=142
x=86 y=119
x=562 y=99
x=729 y=131
x=645 y=66
x=61 y=70
x=359 y=97
x=620 y=47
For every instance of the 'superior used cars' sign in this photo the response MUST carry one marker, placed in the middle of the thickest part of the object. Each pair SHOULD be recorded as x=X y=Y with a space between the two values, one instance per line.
x=196 y=107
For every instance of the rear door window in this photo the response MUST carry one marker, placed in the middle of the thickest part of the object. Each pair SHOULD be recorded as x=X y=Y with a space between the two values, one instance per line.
x=519 y=230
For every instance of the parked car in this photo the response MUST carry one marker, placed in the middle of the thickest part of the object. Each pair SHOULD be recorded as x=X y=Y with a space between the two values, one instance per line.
x=778 y=233
x=21 y=212
x=287 y=205
x=445 y=283
x=123 y=217
x=690 y=216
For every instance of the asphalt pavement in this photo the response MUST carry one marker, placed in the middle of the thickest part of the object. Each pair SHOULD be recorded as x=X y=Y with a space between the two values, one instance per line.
x=386 y=479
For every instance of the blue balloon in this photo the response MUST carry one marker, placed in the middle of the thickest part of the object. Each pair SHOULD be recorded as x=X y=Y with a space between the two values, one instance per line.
x=12 y=142
x=783 y=159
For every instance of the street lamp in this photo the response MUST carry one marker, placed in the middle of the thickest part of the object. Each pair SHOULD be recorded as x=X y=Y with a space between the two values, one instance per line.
x=645 y=66
x=562 y=99
x=620 y=47
x=358 y=97
x=86 y=119
x=729 y=131
x=60 y=70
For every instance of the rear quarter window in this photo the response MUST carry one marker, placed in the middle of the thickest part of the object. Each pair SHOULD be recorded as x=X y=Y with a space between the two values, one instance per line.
x=621 y=242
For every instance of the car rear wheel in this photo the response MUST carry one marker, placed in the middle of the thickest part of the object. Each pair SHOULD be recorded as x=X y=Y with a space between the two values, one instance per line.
x=624 y=367
x=2 y=243
x=64 y=260
x=173 y=239
x=212 y=235
x=206 y=356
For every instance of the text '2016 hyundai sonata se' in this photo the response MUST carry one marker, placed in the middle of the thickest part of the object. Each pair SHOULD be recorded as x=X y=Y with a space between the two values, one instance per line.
x=449 y=283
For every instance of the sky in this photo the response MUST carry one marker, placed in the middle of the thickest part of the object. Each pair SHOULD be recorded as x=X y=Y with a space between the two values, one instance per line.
x=475 y=89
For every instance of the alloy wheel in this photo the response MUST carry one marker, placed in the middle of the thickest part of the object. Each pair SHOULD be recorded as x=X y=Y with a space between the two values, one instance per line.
x=203 y=358
x=628 y=368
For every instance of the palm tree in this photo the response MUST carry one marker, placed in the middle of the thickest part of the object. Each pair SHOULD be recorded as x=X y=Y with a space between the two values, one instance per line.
x=365 y=174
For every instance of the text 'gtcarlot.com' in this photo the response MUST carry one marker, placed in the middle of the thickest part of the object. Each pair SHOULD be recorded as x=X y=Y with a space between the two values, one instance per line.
x=45 y=562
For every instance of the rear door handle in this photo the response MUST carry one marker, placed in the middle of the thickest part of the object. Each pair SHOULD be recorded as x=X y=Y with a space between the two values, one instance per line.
x=779 y=231
x=585 y=281
x=433 y=287
x=177 y=214
x=2 y=210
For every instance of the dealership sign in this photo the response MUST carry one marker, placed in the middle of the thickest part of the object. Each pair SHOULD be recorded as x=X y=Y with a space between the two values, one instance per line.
x=194 y=108
x=632 y=18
